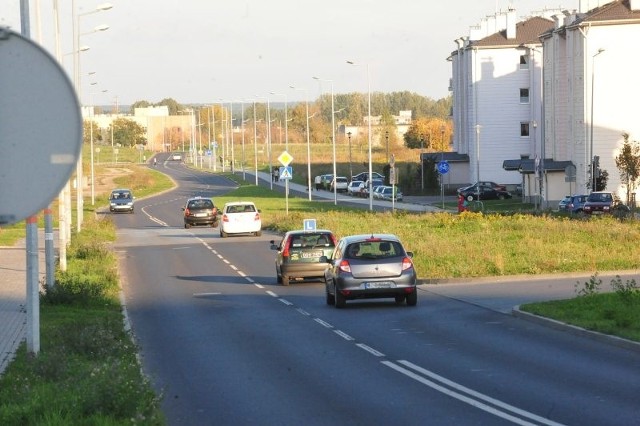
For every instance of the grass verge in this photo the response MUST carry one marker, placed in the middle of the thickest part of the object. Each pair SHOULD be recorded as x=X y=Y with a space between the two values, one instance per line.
x=87 y=371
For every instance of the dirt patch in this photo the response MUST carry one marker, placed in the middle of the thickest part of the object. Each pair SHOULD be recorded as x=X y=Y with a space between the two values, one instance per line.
x=105 y=180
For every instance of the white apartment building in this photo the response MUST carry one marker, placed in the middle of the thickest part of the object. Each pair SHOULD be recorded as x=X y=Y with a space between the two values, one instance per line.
x=497 y=96
x=590 y=96
x=523 y=95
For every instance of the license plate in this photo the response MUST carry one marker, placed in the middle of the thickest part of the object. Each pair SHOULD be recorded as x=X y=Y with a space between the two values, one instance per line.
x=200 y=214
x=380 y=284
x=310 y=255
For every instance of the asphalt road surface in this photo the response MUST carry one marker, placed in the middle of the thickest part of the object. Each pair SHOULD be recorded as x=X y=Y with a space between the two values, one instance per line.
x=225 y=344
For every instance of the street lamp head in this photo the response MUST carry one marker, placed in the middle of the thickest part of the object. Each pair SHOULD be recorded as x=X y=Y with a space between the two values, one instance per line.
x=101 y=28
x=599 y=51
x=104 y=6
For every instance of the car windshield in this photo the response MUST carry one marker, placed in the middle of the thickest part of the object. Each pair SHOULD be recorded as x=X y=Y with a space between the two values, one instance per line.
x=241 y=208
x=310 y=240
x=600 y=198
x=124 y=195
x=373 y=250
x=200 y=204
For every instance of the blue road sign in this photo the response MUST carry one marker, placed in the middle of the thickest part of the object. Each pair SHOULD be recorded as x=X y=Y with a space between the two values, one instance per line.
x=443 y=167
x=286 y=173
x=309 y=225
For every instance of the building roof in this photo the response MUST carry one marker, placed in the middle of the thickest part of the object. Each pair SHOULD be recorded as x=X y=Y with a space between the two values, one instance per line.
x=527 y=32
x=528 y=165
x=615 y=11
x=451 y=157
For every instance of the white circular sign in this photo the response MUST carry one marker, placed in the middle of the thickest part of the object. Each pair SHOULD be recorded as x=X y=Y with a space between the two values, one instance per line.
x=40 y=128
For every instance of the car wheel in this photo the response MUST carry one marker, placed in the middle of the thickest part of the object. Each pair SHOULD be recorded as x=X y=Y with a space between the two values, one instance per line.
x=285 y=280
x=259 y=233
x=340 y=300
x=223 y=234
x=501 y=197
x=412 y=298
x=469 y=197
x=278 y=277
x=331 y=300
x=187 y=226
x=400 y=298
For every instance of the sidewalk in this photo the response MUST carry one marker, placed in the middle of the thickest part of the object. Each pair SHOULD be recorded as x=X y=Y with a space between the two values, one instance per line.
x=410 y=203
x=13 y=295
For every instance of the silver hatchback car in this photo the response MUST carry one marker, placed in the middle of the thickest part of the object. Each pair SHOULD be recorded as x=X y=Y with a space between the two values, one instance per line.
x=370 y=266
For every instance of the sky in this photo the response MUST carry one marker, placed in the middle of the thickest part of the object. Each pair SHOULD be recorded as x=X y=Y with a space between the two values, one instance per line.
x=205 y=51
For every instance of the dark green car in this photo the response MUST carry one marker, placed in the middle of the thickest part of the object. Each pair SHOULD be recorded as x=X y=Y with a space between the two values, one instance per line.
x=299 y=255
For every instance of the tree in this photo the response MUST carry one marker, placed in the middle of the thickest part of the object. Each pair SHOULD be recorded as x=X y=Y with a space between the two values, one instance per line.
x=628 y=163
x=435 y=133
x=127 y=132
x=87 y=126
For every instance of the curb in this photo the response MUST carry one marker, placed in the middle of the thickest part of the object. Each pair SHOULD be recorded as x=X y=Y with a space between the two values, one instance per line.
x=577 y=331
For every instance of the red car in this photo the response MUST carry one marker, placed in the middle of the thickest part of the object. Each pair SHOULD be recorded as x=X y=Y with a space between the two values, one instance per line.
x=598 y=203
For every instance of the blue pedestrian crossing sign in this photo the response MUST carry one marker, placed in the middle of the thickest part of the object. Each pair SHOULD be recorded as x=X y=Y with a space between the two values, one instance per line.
x=443 y=167
x=309 y=225
x=286 y=173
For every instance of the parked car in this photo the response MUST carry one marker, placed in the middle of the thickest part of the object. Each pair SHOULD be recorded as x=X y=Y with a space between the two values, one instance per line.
x=121 y=200
x=575 y=204
x=200 y=211
x=302 y=255
x=484 y=192
x=240 y=217
x=562 y=205
x=376 y=191
x=341 y=184
x=600 y=202
x=370 y=266
x=326 y=181
x=364 y=176
x=387 y=193
x=355 y=188
x=176 y=157
x=493 y=185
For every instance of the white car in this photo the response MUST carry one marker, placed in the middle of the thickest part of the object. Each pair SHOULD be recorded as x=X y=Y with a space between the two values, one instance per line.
x=240 y=217
x=341 y=184
x=355 y=187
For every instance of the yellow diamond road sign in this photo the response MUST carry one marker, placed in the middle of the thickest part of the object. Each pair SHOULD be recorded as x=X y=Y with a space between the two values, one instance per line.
x=285 y=158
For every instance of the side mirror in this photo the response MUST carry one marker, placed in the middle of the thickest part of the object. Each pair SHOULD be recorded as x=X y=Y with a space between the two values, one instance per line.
x=182 y=209
x=410 y=254
x=324 y=259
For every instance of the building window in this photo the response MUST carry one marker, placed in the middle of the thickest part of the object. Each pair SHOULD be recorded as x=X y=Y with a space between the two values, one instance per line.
x=524 y=62
x=524 y=96
x=524 y=129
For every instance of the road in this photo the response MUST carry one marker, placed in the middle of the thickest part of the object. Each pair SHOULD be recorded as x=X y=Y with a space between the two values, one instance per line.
x=225 y=344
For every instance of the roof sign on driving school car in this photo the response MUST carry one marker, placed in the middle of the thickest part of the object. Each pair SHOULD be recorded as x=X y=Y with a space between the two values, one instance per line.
x=309 y=224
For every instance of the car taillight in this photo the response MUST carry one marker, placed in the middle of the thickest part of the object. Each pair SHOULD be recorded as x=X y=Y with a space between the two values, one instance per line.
x=344 y=266
x=406 y=263
x=257 y=216
x=225 y=218
x=187 y=212
x=285 y=251
x=606 y=208
x=334 y=240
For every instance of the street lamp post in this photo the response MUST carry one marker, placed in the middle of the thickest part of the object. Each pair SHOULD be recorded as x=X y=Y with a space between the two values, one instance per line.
x=350 y=167
x=76 y=80
x=422 y=164
x=593 y=74
x=386 y=136
x=369 y=134
x=333 y=139
x=308 y=140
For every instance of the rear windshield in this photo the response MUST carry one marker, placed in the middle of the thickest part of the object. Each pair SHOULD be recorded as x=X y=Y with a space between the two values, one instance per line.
x=311 y=240
x=200 y=204
x=373 y=250
x=241 y=208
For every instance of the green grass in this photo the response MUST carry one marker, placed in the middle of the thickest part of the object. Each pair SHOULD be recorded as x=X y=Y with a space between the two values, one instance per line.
x=87 y=371
x=471 y=244
x=616 y=313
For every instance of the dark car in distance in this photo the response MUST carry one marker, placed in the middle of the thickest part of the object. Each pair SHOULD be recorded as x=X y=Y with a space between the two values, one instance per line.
x=121 y=200
x=370 y=266
x=483 y=192
x=600 y=202
x=200 y=211
x=302 y=255
x=573 y=203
